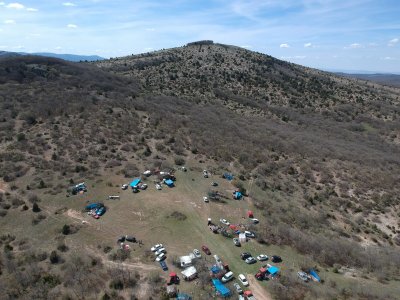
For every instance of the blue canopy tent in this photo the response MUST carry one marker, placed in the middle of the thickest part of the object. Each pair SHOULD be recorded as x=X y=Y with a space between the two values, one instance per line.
x=221 y=289
x=135 y=182
x=215 y=269
x=169 y=182
x=273 y=271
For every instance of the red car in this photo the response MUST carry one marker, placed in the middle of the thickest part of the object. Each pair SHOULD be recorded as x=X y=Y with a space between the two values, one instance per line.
x=206 y=250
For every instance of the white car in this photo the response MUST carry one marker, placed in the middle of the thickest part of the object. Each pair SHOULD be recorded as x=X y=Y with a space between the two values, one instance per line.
x=124 y=186
x=159 y=251
x=228 y=276
x=262 y=257
x=161 y=257
x=303 y=276
x=156 y=247
x=217 y=259
x=249 y=234
x=255 y=221
x=205 y=199
x=158 y=186
x=197 y=253
x=238 y=288
x=223 y=221
x=243 y=280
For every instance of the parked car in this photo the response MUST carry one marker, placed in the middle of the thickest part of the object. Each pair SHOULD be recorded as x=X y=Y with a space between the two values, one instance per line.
x=156 y=247
x=217 y=259
x=205 y=199
x=276 y=259
x=158 y=186
x=228 y=276
x=121 y=239
x=135 y=190
x=206 y=250
x=262 y=257
x=205 y=173
x=303 y=276
x=238 y=288
x=249 y=234
x=163 y=265
x=159 y=251
x=197 y=253
x=101 y=211
x=245 y=255
x=255 y=221
x=214 y=184
x=236 y=242
x=250 y=260
x=142 y=186
x=161 y=257
x=225 y=222
x=124 y=186
x=131 y=239
x=243 y=280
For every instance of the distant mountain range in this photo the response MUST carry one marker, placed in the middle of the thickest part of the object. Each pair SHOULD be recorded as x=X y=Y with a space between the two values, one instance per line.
x=68 y=57
x=386 y=79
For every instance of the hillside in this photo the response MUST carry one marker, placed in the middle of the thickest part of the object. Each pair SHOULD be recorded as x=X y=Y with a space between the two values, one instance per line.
x=317 y=155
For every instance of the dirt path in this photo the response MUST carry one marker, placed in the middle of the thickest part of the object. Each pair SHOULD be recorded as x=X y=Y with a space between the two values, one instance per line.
x=131 y=266
x=258 y=291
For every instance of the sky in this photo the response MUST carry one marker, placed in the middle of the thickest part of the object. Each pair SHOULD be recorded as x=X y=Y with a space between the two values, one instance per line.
x=326 y=34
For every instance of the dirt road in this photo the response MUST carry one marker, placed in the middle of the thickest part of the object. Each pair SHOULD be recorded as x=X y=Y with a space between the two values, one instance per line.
x=258 y=291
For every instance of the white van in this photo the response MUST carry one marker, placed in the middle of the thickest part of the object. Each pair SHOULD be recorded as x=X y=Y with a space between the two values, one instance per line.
x=228 y=276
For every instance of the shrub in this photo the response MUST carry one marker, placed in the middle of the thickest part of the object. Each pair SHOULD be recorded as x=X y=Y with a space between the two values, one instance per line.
x=66 y=229
x=35 y=207
x=54 y=257
x=180 y=161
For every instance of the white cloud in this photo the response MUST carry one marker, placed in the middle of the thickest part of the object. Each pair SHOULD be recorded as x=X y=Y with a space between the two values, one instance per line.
x=284 y=46
x=58 y=48
x=393 y=42
x=307 y=45
x=19 y=47
x=9 y=22
x=15 y=5
x=246 y=46
x=150 y=29
x=31 y=9
x=2 y=3
x=72 y=26
x=354 y=46
x=389 y=58
x=148 y=49
x=69 y=4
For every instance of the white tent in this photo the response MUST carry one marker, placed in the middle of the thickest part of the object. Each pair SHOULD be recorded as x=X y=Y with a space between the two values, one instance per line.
x=185 y=261
x=189 y=273
x=242 y=237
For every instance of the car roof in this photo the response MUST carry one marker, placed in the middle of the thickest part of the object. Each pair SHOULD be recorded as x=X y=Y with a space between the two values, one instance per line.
x=229 y=274
x=242 y=276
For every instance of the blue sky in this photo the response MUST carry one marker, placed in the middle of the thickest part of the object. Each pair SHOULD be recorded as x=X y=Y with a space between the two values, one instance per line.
x=327 y=34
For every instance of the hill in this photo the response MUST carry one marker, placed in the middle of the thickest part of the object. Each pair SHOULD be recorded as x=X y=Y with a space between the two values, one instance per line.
x=68 y=57
x=317 y=156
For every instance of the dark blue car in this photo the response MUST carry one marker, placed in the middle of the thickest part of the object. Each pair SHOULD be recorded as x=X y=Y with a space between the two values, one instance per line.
x=94 y=206
x=100 y=211
x=163 y=265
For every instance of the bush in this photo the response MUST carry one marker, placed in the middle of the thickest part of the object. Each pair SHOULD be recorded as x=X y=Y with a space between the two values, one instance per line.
x=179 y=161
x=35 y=207
x=66 y=229
x=117 y=284
x=54 y=257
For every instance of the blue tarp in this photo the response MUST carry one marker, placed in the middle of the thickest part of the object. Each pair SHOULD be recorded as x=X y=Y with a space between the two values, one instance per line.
x=228 y=176
x=169 y=182
x=222 y=290
x=135 y=182
x=183 y=297
x=314 y=274
x=273 y=270
x=237 y=195
x=215 y=269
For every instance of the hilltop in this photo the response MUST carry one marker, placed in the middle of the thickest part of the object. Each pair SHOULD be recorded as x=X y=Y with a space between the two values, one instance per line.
x=318 y=156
